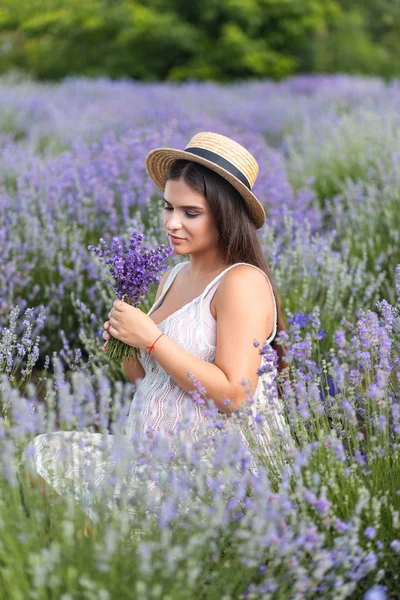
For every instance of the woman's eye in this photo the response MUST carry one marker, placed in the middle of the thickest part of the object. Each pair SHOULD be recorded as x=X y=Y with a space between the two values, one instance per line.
x=190 y=215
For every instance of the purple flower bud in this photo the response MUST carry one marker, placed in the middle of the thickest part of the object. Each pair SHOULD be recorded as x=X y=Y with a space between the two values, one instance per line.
x=370 y=532
x=395 y=545
x=375 y=593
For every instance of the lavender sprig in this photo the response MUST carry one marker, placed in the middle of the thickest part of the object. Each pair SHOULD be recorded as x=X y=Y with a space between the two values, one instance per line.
x=133 y=269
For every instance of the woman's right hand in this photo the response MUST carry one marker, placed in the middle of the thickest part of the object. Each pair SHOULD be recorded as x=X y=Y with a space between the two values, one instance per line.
x=106 y=335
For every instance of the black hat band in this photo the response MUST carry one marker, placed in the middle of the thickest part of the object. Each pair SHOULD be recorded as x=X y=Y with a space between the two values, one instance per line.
x=221 y=162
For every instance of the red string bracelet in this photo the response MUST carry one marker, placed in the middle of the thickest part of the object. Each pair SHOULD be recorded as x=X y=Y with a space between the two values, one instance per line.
x=154 y=343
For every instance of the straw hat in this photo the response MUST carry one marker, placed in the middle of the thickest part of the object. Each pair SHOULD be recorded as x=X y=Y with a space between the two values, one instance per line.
x=220 y=154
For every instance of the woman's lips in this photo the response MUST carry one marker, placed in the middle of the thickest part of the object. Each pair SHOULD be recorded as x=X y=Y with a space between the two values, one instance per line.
x=175 y=239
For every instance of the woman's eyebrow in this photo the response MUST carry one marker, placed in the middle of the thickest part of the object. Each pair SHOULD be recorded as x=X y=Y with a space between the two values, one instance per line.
x=186 y=206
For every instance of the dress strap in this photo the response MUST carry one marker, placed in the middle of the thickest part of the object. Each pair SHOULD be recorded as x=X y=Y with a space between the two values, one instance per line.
x=218 y=278
x=174 y=272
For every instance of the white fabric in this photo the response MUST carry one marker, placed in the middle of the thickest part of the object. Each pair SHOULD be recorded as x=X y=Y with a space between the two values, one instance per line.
x=194 y=329
x=83 y=459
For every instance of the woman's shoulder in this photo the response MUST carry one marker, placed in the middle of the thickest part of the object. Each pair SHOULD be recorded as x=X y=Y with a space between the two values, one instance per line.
x=245 y=307
x=243 y=282
x=244 y=273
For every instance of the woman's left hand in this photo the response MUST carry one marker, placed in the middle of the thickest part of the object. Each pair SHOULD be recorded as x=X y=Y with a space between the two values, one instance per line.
x=131 y=325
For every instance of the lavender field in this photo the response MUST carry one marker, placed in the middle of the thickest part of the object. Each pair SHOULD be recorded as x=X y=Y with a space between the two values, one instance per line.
x=318 y=520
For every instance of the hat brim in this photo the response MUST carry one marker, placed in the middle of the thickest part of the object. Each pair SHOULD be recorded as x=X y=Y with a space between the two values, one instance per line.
x=159 y=160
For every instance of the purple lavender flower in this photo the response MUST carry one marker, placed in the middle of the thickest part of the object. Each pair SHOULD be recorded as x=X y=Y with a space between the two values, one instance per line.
x=376 y=593
x=299 y=319
x=133 y=270
x=370 y=532
x=395 y=545
x=340 y=338
x=397 y=280
x=332 y=388
x=359 y=457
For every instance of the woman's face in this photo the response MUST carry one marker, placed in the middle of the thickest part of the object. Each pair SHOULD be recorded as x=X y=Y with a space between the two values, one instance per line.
x=188 y=216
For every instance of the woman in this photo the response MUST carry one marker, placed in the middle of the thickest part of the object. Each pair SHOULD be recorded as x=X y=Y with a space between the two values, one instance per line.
x=208 y=311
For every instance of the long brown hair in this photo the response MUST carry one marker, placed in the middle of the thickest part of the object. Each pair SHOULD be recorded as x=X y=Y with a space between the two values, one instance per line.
x=238 y=240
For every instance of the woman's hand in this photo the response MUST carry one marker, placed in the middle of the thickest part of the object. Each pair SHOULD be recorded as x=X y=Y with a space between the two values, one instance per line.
x=129 y=325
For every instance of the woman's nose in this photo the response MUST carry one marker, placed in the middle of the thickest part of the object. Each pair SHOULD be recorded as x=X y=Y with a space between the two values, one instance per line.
x=173 y=222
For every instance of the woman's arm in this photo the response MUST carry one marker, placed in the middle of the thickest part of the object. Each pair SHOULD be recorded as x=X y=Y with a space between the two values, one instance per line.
x=245 y=312
x=133 y=369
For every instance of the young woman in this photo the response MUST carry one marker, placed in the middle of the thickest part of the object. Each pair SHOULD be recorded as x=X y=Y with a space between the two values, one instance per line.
x=209 y=309
x=208 y=312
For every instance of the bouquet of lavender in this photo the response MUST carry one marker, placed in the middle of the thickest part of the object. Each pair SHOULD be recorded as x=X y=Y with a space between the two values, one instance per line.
x=133 y=269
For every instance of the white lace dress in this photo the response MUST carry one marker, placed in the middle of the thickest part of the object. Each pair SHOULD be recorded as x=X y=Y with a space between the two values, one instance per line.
x=194 y=329
x=80 y=461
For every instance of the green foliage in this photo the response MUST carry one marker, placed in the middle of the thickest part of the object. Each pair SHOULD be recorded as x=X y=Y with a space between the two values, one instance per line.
x=173 y=39
x=349 y=48
x=364 y=37
x=177 y=40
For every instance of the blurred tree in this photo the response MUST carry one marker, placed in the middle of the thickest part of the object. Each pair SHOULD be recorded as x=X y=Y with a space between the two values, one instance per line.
x=349 y=48
x=383 y=18
x=200 y=39
x=158 y=39
x=363 y=38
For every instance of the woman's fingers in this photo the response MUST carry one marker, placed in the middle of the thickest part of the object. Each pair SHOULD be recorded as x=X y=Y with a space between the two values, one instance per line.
x=106 y=336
